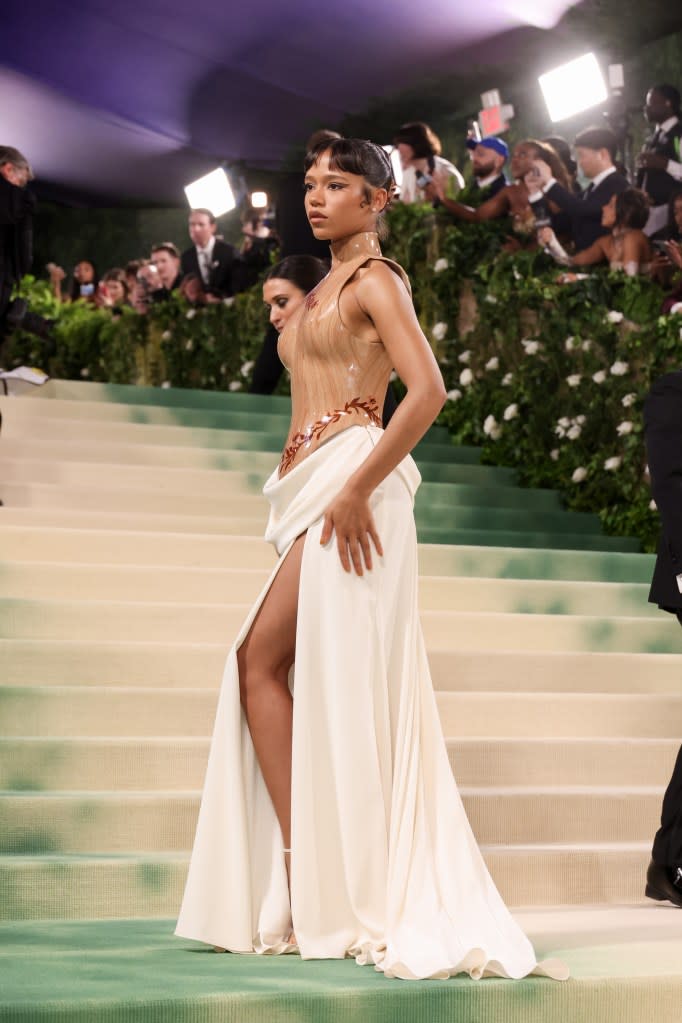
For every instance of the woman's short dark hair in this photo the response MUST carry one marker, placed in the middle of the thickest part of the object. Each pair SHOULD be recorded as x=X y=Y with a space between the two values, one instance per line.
x=75 y=288
x=420 y=137
x=117 y=273
x=305 y=272
x=361 y=157
x=632 y=208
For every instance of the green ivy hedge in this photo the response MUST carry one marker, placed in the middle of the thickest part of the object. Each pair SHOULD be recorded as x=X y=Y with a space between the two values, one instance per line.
x=546 y=377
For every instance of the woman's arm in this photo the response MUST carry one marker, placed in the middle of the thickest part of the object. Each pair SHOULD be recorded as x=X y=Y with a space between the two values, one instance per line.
x=382 y=297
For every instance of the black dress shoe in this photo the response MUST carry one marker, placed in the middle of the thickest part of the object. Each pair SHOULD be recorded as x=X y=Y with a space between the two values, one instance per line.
x=664 y=884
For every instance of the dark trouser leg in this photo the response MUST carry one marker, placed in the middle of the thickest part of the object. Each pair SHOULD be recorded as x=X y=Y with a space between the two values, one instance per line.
x=667 y=850
x=268 y=368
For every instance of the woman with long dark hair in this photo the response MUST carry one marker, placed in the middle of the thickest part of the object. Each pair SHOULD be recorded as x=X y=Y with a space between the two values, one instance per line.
x=330 y=821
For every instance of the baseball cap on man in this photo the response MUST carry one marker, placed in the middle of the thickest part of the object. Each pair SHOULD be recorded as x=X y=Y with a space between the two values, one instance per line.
x=490 y=142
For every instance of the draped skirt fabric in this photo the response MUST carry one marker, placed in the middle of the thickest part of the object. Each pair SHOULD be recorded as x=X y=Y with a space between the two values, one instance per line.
x=384 y=865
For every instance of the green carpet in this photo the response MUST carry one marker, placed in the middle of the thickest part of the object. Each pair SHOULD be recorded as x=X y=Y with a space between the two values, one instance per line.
x=135 y=970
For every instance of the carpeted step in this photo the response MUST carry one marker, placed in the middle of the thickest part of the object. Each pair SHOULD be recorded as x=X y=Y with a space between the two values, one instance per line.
x=92 y=887
x=120 y=711
x=49 y=662
x=443 y=630
x=53 y=580
x=176 y=398
x=152 y=763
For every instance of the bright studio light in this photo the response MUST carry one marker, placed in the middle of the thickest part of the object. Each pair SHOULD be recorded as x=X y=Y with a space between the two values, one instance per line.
x=259 y=200
x=396 y=164
x=212 y=192
x=573 y=87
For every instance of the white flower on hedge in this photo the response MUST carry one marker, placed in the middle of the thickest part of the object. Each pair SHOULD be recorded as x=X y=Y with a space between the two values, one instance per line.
x=511 y=412
x=586 y=345
x=652 y=505
x=166 y=336
x=246 y=368
x=613 y=316
x=619 y=369
x=166 y=384
x=581 y=420
x=189 y=345
x=464 y=356
x=574 y=431
x=235 y=385
x=579 y=474
x=491 y=298
x=554 y=454
x=85 y=372
x=628 y=399
x=491 y=428
x=600 y=376
x=517 y=275
x=466 y=377
x=613 y=463
x=530 y=346
x=440 y=265
x=507 y=379
x=493 y=363
x=574 y=380
x=570 y=343
x=562 y=426
x=624 y=428
x=228 y=301
x=454 y=394
x=190 y=314
x=439 y=331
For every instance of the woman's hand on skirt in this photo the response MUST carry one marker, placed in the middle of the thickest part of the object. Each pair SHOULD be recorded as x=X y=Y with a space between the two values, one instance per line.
x=349 y=516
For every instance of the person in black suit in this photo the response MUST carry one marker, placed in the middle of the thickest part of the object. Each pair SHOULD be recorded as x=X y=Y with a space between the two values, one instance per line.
x=595 y=150
x=17 y=205
x=209 y=257
x=659 y=165
x=663 y=433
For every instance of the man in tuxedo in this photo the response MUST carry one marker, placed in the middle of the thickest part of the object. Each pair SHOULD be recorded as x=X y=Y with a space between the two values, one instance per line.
x=663 y=432
x=17 y=205
x=209 y=257
x=595 y=150
x=659 y=165
x=488 y=157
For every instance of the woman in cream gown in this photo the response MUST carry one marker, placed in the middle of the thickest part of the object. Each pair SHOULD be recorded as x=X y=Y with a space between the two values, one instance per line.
x=330 y=822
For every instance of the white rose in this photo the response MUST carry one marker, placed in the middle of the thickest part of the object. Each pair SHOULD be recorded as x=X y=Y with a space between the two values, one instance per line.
x=491 y=428
x=600 y=376
x=573 y=380
x=574 y=432
x=581 y=420
x=439 y=331
x=531 y=347
x=190 y=314
x=619 y=369
x=613 y=463
x=440 y=265
x=564 y=421
x=491 y=299
x=624 y=428
x=166 y=384
x=493 y=363
x=246 y=368
x=466 y=377
x=652 y=505
x=554 y=454
x=628 y=399
x=511 y=412
x=235 y=385
x=189 y=345
x=166 y=336
x=579 y=474
x=586 y=345
x=464 y=356
x=614 y=317
x=507 y=379
x=228 y=301
x=454 y=394
x=570 y=343
x=85 y=372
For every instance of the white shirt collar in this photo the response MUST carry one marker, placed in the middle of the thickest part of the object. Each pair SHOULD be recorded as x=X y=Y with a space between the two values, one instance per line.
x=667 y=125
x=209 y=248
x=595 y=182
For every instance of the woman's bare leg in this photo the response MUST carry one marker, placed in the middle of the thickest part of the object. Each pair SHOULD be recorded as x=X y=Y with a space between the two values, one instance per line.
x=264 y=660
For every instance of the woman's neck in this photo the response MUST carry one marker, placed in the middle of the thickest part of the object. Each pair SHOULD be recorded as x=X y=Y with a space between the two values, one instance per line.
x=364 y=243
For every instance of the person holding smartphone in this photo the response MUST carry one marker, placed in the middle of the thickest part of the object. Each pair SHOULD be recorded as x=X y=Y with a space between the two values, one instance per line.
x=420 y=155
